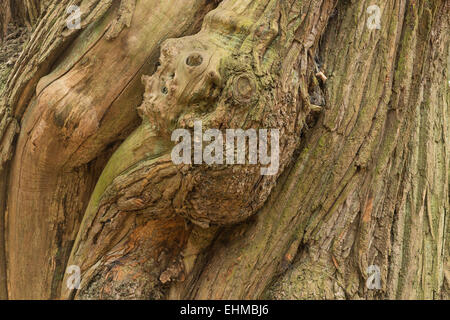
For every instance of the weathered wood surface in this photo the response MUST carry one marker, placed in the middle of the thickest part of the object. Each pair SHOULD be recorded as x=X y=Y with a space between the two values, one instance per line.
x=74 y=116
x=364 y=156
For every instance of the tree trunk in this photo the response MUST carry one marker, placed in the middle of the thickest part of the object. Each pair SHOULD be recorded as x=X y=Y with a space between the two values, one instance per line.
x=20 y=13
x=363 y=182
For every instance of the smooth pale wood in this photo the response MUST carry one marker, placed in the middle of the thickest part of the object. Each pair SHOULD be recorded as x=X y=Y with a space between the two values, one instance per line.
x=370 y=185
x=69 y=124
x=240 y=40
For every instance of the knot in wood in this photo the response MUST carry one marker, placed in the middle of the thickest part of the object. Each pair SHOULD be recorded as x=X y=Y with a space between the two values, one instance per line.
x=244 y=89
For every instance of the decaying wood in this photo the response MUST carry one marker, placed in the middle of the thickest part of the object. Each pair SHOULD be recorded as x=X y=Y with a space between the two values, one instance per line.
x=76 y=114
x=364 y=151
x=372 y=150
x=231 y=48
x=389 y=124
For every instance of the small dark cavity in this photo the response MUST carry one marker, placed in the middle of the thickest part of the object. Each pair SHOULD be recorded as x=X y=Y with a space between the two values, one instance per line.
x=194 y=60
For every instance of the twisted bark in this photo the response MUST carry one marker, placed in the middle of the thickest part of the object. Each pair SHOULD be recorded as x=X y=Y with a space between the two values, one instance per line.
x=234 y=54
x=364 y=162
x=71 y=120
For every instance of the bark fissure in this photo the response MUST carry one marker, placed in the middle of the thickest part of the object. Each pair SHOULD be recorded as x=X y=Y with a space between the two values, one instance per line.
x=364 y=151
x=61 y=133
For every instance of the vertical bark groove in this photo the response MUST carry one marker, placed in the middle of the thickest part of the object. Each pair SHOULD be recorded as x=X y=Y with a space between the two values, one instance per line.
x=364 y=169
x=69 y=125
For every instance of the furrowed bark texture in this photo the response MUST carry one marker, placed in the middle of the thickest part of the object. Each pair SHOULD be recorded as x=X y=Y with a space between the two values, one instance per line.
x=48 y=42
x=389 y=125
x=70 y=120
x=370 y=186
x=364 y=156
x=20 y=13
x=243 y=70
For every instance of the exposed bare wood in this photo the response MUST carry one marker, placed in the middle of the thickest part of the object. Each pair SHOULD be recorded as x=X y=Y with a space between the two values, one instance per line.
x=87 y=178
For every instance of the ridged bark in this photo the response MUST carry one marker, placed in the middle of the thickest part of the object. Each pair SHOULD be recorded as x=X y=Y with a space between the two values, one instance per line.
x=72 y=113
x=364 y=177
x=242 y=47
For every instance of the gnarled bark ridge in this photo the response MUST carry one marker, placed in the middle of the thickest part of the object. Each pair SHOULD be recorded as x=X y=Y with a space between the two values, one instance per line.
x=70 y=121
x=363 y=179
x=227 y=76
